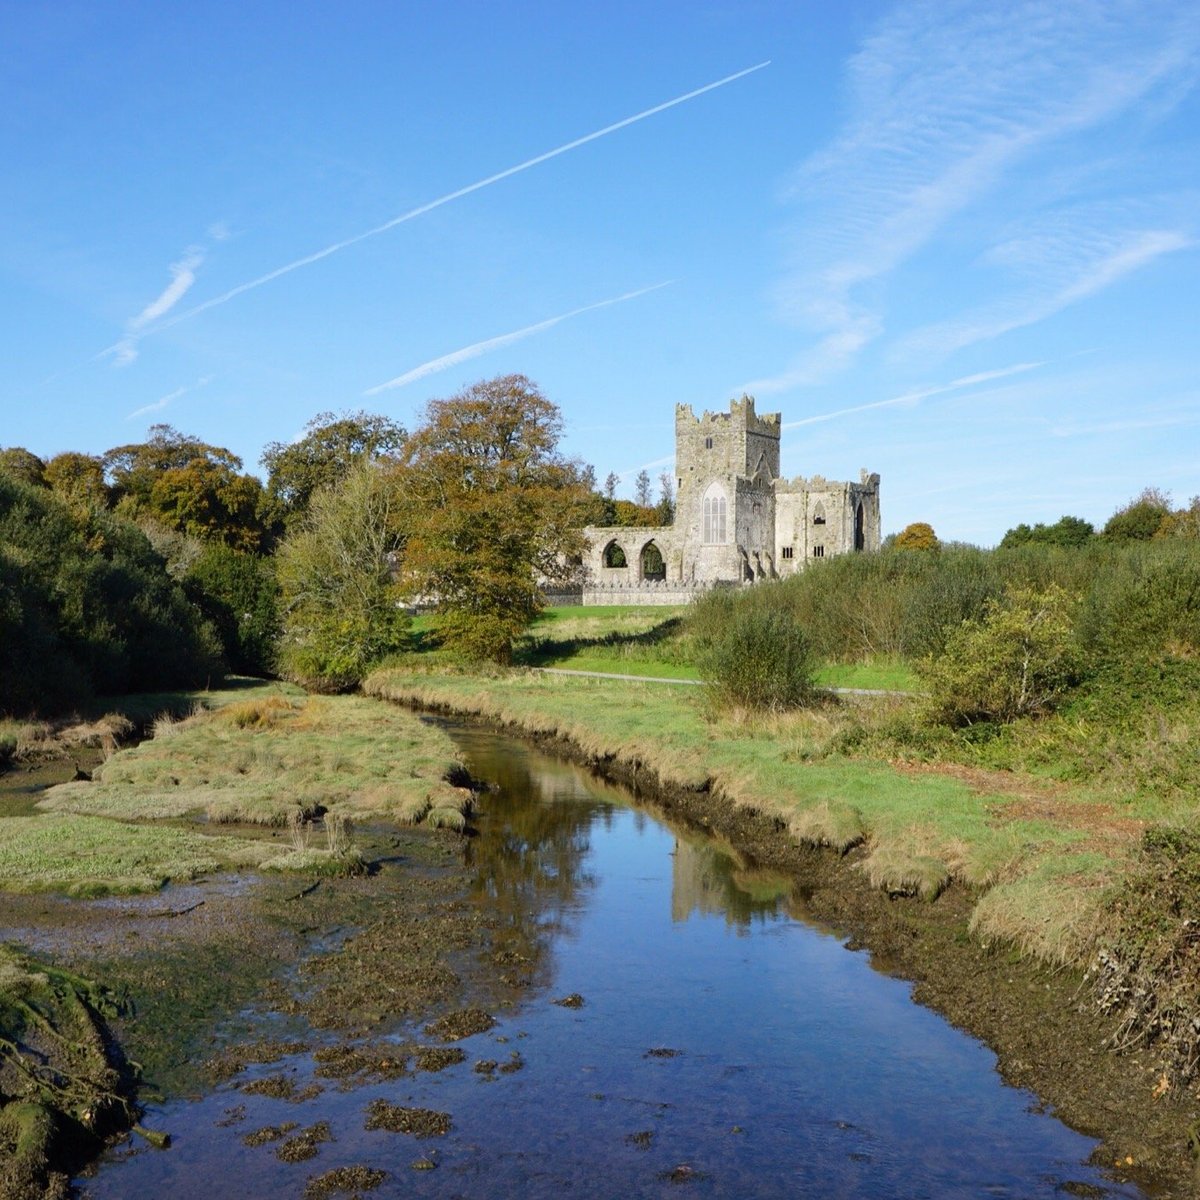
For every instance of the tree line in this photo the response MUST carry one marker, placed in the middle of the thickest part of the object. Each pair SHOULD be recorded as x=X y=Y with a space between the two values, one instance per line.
x=162 y=563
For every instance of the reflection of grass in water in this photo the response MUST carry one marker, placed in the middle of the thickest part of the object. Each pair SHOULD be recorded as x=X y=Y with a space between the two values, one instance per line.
x=922 y=828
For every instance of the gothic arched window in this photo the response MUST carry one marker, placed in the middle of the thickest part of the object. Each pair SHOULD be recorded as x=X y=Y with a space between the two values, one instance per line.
x=715 y=511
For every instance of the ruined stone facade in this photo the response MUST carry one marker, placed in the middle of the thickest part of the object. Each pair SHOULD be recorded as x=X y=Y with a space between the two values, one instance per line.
x=736 y=520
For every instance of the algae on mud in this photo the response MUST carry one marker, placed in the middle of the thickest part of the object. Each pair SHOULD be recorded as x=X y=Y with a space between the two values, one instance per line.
x=258 y=755
x=63 y=1084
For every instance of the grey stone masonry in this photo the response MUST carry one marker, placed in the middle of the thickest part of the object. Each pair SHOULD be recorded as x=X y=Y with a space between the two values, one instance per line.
x=736 y=521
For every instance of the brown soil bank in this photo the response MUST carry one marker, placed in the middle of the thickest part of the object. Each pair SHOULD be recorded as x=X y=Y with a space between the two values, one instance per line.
x=1044 y=1024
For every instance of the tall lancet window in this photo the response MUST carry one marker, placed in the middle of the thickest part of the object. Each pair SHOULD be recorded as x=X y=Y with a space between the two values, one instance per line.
x=715 y=530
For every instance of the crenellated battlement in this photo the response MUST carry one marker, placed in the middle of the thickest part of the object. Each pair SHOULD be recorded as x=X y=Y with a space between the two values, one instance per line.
x=741 y=415
x=736 y=521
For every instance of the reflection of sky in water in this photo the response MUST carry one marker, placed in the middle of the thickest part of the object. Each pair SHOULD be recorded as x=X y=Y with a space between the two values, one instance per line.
x=799 y=1072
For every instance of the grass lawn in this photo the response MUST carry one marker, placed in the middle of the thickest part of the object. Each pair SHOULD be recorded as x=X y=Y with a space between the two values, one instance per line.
x=651 y=641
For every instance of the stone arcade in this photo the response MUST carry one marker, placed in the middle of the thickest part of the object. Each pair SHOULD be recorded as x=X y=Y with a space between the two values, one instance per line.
x=736 y=521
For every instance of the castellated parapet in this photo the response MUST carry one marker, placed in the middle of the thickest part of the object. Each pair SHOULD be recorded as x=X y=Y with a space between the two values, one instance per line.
x=736 y=521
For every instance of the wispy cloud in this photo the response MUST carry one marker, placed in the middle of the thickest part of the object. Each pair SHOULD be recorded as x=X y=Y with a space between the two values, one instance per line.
x=915 y=397
x=470 y=188
x=945 y=99
x=1092 y=277
x=452 y=359
x=183 y=275
x=164 y=401
x=1133 y=424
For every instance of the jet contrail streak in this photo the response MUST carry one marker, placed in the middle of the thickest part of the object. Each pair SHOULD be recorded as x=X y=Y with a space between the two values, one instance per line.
x=914 y=397
x=225 y=297
x=505 y=339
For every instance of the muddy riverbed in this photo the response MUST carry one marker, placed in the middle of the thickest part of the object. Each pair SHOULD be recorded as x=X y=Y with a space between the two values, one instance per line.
x=588 y=997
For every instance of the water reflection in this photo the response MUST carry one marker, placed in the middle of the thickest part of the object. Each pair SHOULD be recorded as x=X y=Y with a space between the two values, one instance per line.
x=722 y=1044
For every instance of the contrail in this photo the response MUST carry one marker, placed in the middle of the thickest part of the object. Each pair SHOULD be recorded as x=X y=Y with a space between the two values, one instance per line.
x=225 y=297
x=505 y=339
x=912 y=397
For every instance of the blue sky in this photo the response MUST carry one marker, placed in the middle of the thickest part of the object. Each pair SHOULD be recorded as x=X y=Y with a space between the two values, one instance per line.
x=958 y=244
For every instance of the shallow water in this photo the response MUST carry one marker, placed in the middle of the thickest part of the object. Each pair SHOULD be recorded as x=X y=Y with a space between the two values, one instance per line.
x=785 y=1065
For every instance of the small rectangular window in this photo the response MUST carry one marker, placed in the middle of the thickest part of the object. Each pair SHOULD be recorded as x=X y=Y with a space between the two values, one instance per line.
x=708 y=443
x=818 y=552
x=787 y=552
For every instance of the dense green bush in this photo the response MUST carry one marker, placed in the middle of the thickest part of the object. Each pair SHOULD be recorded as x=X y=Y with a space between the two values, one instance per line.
x=1018 y=660
x=87 y=607
x=239 y=594
x=760 y=658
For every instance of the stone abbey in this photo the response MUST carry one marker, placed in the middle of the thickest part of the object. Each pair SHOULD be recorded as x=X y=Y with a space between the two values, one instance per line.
x=736 y=520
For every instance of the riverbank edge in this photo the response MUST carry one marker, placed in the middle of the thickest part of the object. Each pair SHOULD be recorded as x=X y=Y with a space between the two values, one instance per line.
x=1047 y=1035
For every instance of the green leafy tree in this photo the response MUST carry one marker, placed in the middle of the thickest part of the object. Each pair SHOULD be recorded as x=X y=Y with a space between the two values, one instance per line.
x=1140 y=519
x=331 y=446
x=490 y=508
x=1018 y=660
x=87 y=606
x=188 y=485
x=341 y=605
x=238 y=593
x=917 y=536
x=18 y=463
x=1066 y=531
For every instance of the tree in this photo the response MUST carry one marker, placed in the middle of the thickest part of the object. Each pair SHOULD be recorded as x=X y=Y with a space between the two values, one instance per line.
x=331 y=446
x=87 y=606
x=341 y=604
x=1183 y=523
x=18 y=463
x=1066 y=531
x=77 y=478
x=490 y=508
x=666 y=498
x=641 y=488
x=917 y=536
x=1140 y=519
x=238 y=593
x=611 y=482
x=189 y=485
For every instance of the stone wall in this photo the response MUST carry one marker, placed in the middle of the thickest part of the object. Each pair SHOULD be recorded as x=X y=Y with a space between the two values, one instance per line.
x=773 y=527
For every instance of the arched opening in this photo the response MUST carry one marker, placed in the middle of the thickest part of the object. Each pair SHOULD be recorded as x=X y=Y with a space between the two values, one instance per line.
x=653 y=567
x=860 y=537
x=715 y=532
x=819 y=513
x=614 y=556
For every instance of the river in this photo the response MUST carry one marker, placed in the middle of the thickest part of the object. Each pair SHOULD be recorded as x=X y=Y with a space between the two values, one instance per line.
x=721 y=1045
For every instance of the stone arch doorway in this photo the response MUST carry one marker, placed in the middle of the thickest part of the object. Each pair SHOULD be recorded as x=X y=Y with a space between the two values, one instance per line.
x=653 y=566
x=614 y=556
x=860 y=537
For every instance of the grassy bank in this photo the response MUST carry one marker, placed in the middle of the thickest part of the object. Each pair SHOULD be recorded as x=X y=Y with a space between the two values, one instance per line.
x=1041 y=856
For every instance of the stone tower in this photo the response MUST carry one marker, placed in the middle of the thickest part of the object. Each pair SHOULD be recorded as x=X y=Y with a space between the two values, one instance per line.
x=726 y=463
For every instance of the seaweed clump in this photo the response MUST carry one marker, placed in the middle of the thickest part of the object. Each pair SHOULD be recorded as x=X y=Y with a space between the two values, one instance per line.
x=1148 y=975
x=64 y=1085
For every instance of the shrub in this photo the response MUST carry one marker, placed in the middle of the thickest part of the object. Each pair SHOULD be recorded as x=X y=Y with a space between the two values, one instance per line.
x=1018 y=661
x=762 y=658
